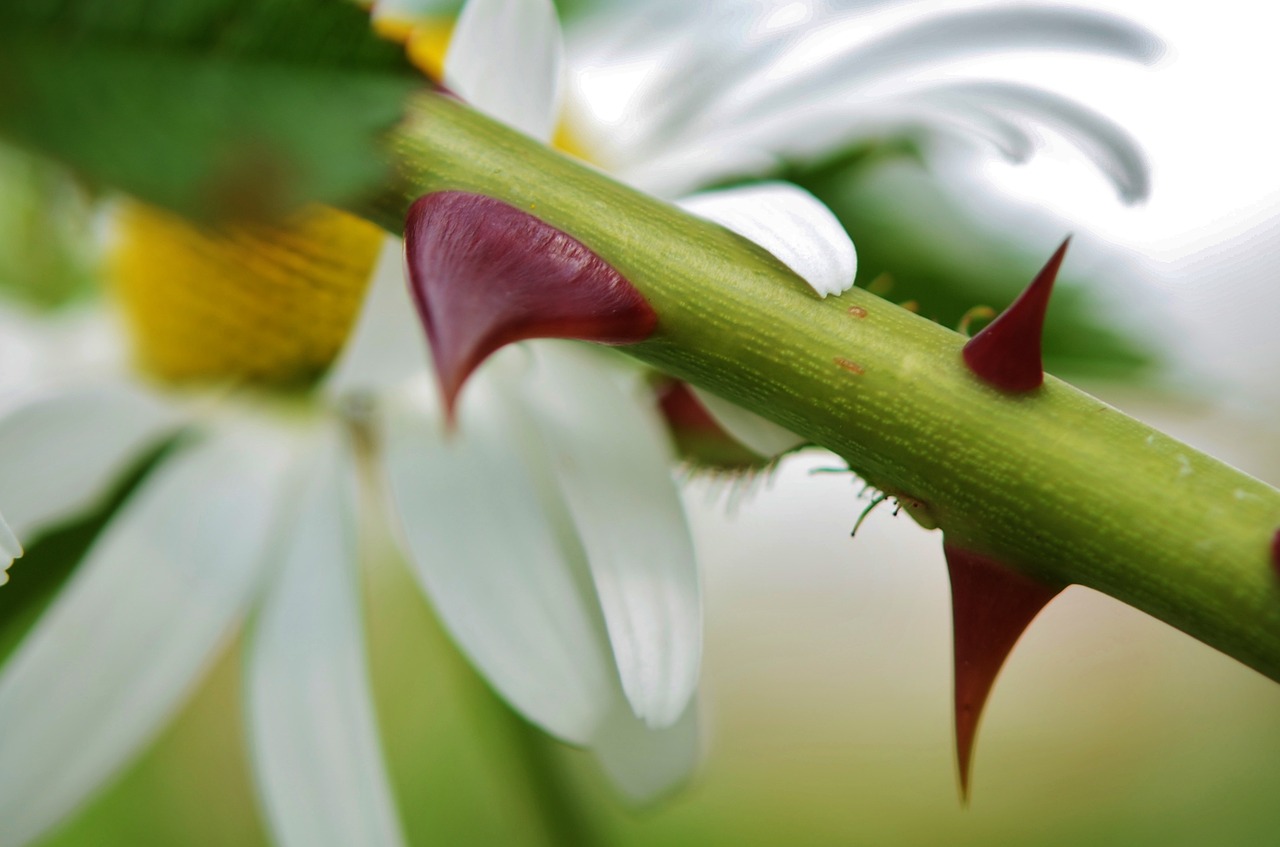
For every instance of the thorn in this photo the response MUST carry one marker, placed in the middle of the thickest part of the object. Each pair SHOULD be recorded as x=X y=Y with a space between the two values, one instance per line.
x=485 y=274
x=1006 y=353
x=683 y=411
x=991 y=606
x=1275 y=553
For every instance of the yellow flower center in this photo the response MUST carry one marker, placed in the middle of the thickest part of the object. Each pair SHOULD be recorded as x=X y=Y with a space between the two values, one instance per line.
x=245 y=303
x=270 y=305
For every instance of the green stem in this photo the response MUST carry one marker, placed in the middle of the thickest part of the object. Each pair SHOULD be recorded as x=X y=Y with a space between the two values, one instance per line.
x=1053 y=482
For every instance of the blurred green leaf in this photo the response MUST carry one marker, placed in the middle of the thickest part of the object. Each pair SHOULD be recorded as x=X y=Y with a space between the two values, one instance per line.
x=45 y=231
x=209 y=107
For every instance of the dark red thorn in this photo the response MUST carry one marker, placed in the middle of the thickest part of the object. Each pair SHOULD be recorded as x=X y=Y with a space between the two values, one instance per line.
x=991 y=606
x=1006 y=353
x=1275 y=553
x=684 y=411
x=484 y=274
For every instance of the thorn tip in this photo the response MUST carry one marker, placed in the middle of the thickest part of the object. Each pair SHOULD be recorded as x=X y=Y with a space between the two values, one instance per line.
x=992 y=605
x=1007 y=352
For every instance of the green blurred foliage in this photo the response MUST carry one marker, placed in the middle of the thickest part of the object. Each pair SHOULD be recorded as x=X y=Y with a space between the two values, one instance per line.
x=46 y=231
x=209 y=107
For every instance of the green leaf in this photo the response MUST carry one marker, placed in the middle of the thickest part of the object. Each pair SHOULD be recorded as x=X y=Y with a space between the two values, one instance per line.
x=210 y=107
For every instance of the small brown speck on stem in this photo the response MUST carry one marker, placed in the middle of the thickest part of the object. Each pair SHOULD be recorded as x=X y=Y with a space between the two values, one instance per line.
x=857 y=311
x=852 y=367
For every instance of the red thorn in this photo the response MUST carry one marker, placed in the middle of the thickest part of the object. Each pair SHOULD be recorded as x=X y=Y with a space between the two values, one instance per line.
x=991 y=606
x=1006 y=353
x=1275 y=553
x=684 y=411
x=484 y=274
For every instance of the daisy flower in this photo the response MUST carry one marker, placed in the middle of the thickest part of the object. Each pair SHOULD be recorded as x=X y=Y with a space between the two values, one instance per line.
x=547 y=532
x=248 y=352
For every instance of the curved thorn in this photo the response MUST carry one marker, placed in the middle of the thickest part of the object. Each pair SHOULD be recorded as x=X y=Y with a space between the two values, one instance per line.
x=991 y=606
x=1006 y=353
x=485 y=274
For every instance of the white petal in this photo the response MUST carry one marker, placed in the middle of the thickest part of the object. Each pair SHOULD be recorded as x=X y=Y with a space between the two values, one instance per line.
x=387 y=346
x=62 y=454
x=943 y=38
x=314 y=736
x=791 y=224
x=756 y=433
x=648 y=764
x=10 y=549
x=156 y=597
x=490 y=549
x=611 y=456
x=505 y=59
x=1105 y=142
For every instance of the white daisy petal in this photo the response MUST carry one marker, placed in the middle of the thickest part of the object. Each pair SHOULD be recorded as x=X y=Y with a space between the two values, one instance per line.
x=611 y=455
x=749 y=429
x=648 y=764
x=505 y=59
x=56 y=467
x=791 y=224
x=490 y=549
x=946 y=38
x=156 y=597
x=319 y=767
x=386 y=347
x=1105 y=142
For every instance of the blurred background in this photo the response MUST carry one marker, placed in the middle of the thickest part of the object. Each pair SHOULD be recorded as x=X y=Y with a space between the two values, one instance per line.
x=827 y=683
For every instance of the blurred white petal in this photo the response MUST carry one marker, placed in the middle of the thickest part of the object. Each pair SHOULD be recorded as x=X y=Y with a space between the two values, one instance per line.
x=491 y=550
x=387 y=346
x=791 y=224
x=315 y=745
x=61 y=454
x=1105 y=142
x=505 y=59
x=611 y=456
x=945 y=38
x=148 y=609
x=648 y=764
x=749 y=429
x=10 y=549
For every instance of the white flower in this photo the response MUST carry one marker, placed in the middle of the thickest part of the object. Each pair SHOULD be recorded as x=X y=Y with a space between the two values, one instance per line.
x=745 y=88
x=533 y=534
